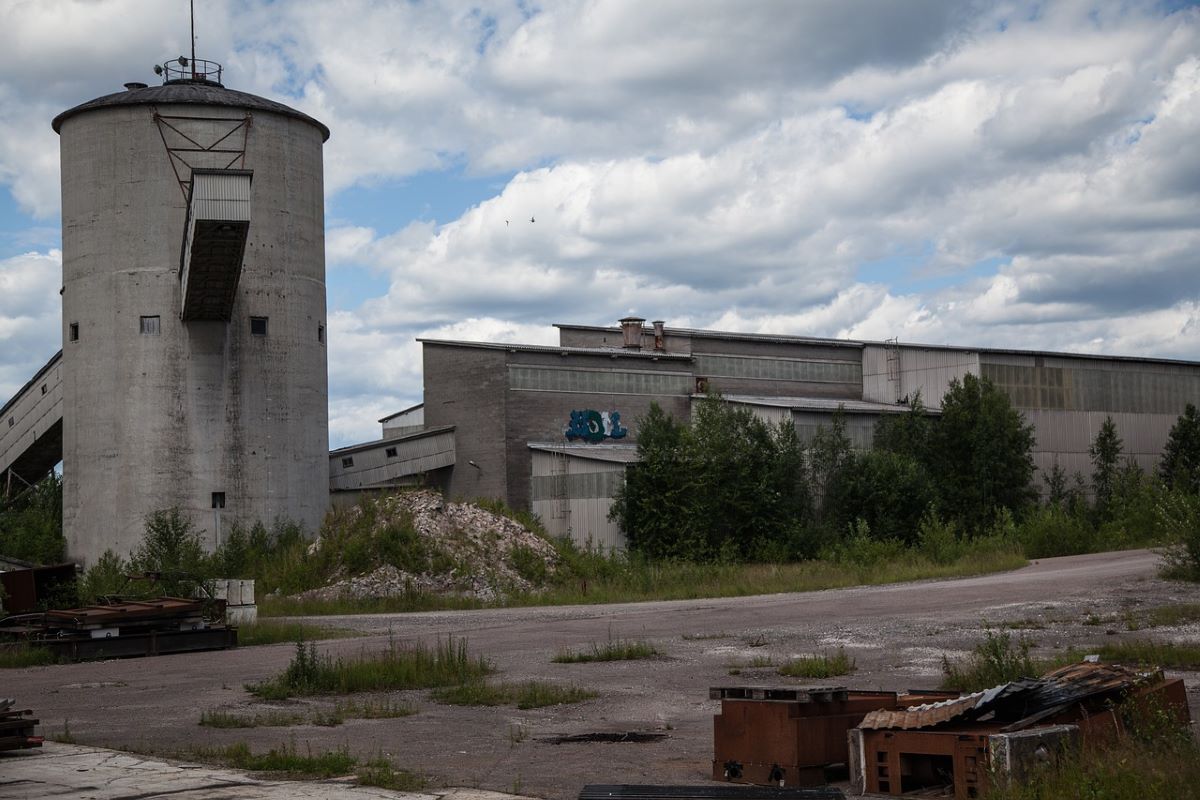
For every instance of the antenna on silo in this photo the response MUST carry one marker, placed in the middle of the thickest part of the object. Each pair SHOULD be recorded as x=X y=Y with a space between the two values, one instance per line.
x=192 y=7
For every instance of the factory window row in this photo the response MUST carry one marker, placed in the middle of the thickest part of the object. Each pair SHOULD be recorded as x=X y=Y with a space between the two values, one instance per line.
x=584 y=486
x=1058 y=388
x=779 y=369
x=550 y=379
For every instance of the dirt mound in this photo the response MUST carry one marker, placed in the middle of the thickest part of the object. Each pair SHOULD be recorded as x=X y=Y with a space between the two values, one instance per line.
x=464 y=550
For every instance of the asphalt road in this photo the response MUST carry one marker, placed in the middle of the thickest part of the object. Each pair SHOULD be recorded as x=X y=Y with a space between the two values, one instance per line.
x=897 y=634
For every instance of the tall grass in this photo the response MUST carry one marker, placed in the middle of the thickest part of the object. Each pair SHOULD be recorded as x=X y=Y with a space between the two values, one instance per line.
x=16 y=656
x=413 y=667
x=531 y=694
x=285 y=761
x=995 y=660
x=826 y=665
x=612 y=650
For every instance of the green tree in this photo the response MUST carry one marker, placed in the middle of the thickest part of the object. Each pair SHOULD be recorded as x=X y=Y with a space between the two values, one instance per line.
x=1057 y=490
x=981 y=454
x=729 y=486
x=31 y=523
x=1180 y=465
x=1105 y=451
x=829 y=453
x=907 y=434
x=171 y=548
x=890 y=491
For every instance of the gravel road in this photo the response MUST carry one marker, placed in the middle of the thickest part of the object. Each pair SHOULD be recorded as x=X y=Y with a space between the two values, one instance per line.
x=898 y=635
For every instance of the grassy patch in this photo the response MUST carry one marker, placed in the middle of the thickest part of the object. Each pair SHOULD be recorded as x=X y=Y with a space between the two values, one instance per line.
x=532 y=694
x=380 y=772
x=268 y=719
x=1164 y=765
x=612 y=650
x=592 y=578
x=826 y=665
x=22 y=655
x=271 y=631
x=703 y=637
x=414 y=667
x=995 y=660
x=285 y=762
x=1158 y=654
x=1166 y=616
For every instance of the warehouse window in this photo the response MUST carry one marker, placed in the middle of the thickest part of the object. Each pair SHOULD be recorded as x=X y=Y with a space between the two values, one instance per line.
x=258 y=326
x=73 y=333
x=150 y=326
x=320 y=333
x=218 y=500
x=348 y=462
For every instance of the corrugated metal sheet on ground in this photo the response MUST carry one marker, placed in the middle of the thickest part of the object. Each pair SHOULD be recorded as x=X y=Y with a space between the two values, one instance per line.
x=1021 y=702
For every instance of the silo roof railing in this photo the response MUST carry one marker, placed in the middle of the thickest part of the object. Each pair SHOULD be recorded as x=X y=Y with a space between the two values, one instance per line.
x=190 y=70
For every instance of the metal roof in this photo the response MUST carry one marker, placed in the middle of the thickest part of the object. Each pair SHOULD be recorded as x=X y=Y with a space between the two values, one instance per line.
x=783 y=338
x=818 y=404
x=54 y=359
x=402 y=411
x=358 y=448
x=202 y=93
x=699 y=333
x=614 y=453
x=612 y=352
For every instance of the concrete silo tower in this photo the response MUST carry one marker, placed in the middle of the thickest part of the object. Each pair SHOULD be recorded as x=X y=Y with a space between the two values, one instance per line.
x=194 y=356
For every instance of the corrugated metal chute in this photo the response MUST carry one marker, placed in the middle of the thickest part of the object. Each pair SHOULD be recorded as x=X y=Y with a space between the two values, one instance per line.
x=214 y=242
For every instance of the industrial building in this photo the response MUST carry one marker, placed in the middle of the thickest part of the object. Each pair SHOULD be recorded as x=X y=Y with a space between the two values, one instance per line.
x=552 y=428
x=193 y=369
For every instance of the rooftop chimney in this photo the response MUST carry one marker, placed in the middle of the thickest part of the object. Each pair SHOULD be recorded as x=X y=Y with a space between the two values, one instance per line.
x=631 y=330
x=659 y=335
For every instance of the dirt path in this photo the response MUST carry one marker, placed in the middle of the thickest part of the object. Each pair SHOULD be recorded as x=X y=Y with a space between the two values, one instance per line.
x=897 y=634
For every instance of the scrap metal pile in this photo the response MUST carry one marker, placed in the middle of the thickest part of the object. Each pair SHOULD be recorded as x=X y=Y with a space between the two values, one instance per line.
x=122 y=629
x=16 y=727
x=893 y=743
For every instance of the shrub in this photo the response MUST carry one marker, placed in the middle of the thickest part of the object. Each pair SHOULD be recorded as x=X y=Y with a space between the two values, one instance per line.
x=1177 y=519
x=995 y=660
x=1054 y=531
x=938 y=538
x=171 y=548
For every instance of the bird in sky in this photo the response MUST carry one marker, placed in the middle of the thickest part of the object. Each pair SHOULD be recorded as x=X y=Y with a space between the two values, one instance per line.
x=531 y=219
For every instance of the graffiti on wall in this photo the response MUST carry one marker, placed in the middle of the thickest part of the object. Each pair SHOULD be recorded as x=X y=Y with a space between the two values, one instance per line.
x=595 y=426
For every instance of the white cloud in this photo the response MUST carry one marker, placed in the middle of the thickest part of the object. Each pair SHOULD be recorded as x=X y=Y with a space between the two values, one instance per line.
x=30 y=316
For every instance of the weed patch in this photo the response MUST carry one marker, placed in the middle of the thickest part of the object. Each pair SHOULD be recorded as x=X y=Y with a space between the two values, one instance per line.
x=532 y=694
x=380 y=772
x=613 y=650
x=1167 y=616
x=995 y=660
x=22 y=655
x=415 y=667
x=826 y=665
x=285 y=762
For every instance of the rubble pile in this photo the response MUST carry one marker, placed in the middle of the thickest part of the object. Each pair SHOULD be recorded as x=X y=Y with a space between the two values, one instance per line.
x=477 y=553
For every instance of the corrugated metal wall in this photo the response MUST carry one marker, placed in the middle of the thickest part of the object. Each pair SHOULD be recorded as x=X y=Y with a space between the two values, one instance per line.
x=912 y=370
x=572 y=496
x=373 y=466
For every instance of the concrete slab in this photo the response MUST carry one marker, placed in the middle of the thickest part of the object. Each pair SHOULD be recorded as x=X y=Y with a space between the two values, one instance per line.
x=75 y=772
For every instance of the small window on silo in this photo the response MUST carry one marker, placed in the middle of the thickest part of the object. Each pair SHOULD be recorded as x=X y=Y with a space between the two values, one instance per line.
x=391 y=452
x=348 y=461
x=320 y=333
x=73 y=333
x=12 y=421
x=218 y=500
x=150 y=326
x=43 y=388
x=258 y=326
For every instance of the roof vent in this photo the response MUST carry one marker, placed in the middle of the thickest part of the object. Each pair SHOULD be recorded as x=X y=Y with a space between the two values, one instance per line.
x=631 y=331
x=659 y=335
x=134 y=85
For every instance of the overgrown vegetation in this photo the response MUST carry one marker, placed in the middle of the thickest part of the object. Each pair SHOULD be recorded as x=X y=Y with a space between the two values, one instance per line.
x=825 y=665
x=326 y=717
x=997 y=659
x=612 y=650
x=413 y=667
x=1159 y=760
x=282 y=762
x=379 y=772
x=31 y=523
x=531 y=694
x=16 y=656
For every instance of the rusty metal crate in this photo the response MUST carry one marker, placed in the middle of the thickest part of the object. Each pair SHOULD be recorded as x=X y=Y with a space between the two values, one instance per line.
x=788 y=736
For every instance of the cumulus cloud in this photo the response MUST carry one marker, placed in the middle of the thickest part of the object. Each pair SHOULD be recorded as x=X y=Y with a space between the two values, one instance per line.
x=30 y=316
x=1012 y=173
